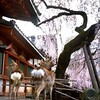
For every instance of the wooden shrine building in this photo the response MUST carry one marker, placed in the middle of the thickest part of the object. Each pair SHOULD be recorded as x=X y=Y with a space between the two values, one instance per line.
x=13 y=43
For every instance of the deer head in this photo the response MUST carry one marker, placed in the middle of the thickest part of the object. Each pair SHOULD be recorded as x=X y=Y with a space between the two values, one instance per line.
x=12 y=66
x=47 y=63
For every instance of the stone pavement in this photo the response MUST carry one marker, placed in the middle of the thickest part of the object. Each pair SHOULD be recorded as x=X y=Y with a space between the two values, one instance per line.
x=19 y=98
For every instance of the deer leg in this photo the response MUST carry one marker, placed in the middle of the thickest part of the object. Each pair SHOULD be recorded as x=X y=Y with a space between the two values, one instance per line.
x=45 y=94
x=38 y=91
x=15 y=95
x=32 y=93
x=37 y=94
x=16 y=92
x=11 y=91
x=51 y=93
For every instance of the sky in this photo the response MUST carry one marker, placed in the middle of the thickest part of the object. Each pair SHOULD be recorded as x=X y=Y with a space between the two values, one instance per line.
x=29 y=28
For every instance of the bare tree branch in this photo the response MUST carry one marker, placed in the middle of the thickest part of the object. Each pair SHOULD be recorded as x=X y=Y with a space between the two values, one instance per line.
x=67 y=13
x=54 y=17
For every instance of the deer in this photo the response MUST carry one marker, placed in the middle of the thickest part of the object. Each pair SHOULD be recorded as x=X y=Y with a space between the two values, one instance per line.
x=15 y=79
x=43 y=78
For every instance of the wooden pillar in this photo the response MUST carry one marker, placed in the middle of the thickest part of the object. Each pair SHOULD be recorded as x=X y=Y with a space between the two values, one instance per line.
x=5 y=62
x=26 y=74
x=26 y=70
x=90 y=68
x=25 y=89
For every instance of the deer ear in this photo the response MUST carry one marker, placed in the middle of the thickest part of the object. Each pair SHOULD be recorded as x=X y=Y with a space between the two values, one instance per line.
x=12 y=61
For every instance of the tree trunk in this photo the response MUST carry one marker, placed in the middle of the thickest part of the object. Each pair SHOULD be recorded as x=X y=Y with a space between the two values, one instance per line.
x=75 y=44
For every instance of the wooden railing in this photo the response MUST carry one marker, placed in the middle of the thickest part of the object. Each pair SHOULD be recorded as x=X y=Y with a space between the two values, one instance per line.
x=60 y=86
x=5 y=82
